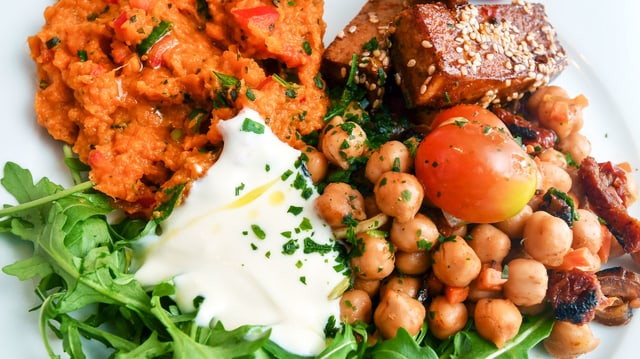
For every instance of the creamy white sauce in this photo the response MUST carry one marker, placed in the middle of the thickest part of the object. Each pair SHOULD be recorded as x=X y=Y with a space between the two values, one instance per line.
x=225 y=243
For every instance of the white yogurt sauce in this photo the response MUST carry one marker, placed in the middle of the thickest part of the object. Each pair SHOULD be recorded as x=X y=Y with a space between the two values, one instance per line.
x=233 y=242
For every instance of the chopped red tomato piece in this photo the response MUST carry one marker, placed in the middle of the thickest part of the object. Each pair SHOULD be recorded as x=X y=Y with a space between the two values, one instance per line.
x=119 y=21
x=262 y=18
x=141 y=4
x=490 y=279
x=159 y=49
x=456 y=294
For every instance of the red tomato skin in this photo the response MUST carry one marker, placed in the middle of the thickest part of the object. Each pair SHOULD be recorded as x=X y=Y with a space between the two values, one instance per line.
x=475 y=172
x=471 y=113
x=263 y=18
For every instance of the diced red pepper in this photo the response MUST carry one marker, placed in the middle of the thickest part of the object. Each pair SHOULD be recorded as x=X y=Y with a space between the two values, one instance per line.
x=490 y=279
x=120 y=20
x=141 y=4
x=456 y=294
x=262 y=18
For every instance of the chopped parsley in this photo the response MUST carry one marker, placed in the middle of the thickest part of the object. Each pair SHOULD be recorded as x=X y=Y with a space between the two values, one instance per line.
x=310 y=246
x=258 y=231
x=249 y=125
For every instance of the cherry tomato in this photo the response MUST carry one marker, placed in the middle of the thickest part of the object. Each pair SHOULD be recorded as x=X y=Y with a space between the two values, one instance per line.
x=475 y=171
x=471 y=113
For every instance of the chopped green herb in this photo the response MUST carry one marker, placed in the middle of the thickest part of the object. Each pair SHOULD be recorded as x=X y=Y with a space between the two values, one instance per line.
x=227 y=81
x=424 y=245
x=290 y=247
x=295 y=210
x=239 y=189
x=52 y=42
x=286 y=175
x=317 y=80
x=307 y=47
x=258 y=231
x=291 y=93
x=396 y=165
x=305 y=225
x=158 y=32
x=250 y=95
x=310 y=246
x=443 y=239
x=371 y=45
x=82 y=55
x=249 y=125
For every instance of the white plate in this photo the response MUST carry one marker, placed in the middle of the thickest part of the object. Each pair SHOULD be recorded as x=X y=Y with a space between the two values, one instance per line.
x=601 y=39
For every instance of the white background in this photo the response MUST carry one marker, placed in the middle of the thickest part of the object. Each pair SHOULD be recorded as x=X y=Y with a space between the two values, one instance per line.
x=604 y=38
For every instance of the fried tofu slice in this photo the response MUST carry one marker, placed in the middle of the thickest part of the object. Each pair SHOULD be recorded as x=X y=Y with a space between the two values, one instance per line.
x=366 y=37
x=485 y=54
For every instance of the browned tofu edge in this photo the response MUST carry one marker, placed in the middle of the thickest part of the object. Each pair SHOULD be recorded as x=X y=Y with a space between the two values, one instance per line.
x=476 y=54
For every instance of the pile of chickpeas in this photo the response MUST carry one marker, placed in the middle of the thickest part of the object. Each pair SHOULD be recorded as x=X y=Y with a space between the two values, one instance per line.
x=402 y=251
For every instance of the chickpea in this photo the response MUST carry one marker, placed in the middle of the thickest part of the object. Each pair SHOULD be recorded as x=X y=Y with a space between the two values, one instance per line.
x=547 y=238
x=412 y=263
x=446 y=319
x=315 y=162
x=342 y=142
x=370 y=206
x=577 y=145
x=371 y=287
x=514 y=226
x=417 y=234
x=489 y=243
x=399 y=195
x=497 y=320
x=553 y=176
x=375 y=259
x=400 y=283
x=339 y=201
x=556 y=110
x=568 y=340
x=355 y=305
x=587 y=231
x=551 y=155
x=398 y=310
x=455 y=263
x=391 y=156
x=527 y=282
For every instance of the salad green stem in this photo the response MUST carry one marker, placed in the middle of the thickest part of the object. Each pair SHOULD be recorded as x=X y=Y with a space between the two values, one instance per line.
x=9 y=211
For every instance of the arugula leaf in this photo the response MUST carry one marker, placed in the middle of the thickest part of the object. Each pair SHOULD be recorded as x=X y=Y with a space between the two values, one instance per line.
x=342 y=346
x=469 y=344
x=239 y=342
x=403 y=346
x=83 y=263
x=84 y=266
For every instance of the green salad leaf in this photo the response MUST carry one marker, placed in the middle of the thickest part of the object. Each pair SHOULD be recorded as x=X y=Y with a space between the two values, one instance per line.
x=83 y=264
x=88 y=291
